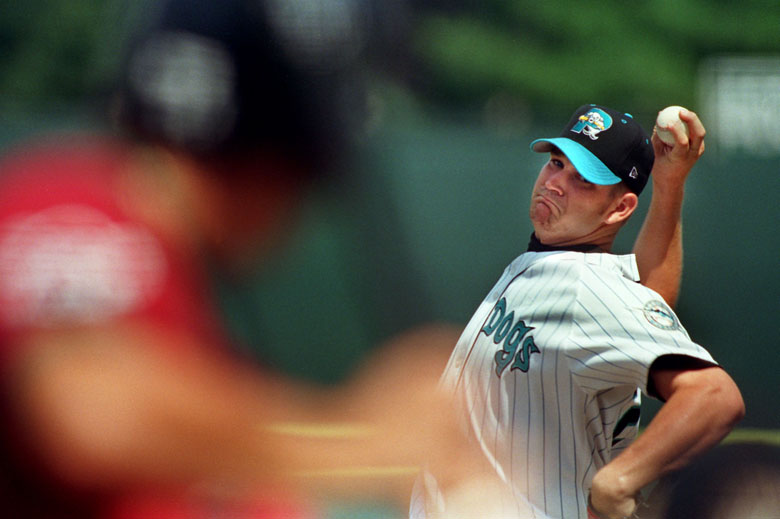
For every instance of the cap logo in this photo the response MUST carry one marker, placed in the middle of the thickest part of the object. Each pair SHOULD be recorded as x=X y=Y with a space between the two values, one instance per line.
x=592 y=123
x=634 y=173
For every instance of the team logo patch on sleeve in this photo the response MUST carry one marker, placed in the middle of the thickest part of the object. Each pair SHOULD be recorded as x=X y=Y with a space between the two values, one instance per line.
x=659 y=315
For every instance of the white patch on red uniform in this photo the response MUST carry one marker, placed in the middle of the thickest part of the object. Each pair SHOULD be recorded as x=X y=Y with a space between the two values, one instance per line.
x=72 y=264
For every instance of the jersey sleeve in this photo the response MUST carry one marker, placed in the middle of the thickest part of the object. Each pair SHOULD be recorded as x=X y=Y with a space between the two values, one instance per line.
x=619 y=328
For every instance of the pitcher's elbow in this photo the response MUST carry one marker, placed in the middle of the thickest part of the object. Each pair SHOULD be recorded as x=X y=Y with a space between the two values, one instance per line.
x=731 y=405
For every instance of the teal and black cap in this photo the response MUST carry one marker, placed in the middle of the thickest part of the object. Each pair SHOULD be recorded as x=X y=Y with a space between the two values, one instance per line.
x=606 y=146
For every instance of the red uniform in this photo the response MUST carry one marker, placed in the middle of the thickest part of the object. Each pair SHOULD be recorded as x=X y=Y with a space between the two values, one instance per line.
x=72 y=252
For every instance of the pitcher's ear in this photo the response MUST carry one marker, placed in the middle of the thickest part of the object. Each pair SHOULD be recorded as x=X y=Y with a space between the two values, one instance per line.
x=623 y=208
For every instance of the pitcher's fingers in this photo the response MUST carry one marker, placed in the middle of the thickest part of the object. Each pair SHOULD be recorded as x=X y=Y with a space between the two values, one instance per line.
x=696 y=131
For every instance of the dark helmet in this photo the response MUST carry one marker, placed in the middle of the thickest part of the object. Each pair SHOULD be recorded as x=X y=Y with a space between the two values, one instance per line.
x=217 y=77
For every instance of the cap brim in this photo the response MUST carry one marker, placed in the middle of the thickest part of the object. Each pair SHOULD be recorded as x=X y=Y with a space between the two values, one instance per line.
x=586 y=163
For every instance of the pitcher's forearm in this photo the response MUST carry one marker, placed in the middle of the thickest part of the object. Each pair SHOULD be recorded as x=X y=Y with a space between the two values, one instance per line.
x=658 y=247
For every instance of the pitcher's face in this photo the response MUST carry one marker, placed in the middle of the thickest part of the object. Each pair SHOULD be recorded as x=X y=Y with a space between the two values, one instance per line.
x=567 y=209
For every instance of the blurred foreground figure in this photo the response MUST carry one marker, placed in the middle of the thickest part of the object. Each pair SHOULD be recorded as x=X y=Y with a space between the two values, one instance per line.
x=121 y=397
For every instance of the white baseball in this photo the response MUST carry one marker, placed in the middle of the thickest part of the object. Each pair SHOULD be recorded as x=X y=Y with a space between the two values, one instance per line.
x=668 y=118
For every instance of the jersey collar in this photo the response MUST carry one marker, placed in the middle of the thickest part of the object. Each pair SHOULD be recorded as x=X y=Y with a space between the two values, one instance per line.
x=536 y=246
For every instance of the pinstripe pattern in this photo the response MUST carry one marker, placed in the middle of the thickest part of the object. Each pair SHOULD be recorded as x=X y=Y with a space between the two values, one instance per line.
x=548 y=429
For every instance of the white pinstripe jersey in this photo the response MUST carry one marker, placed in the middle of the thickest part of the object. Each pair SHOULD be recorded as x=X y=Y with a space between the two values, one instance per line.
x=548 y=374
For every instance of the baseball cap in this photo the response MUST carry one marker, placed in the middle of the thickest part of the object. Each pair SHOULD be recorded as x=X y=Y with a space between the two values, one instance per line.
x=606 y=146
